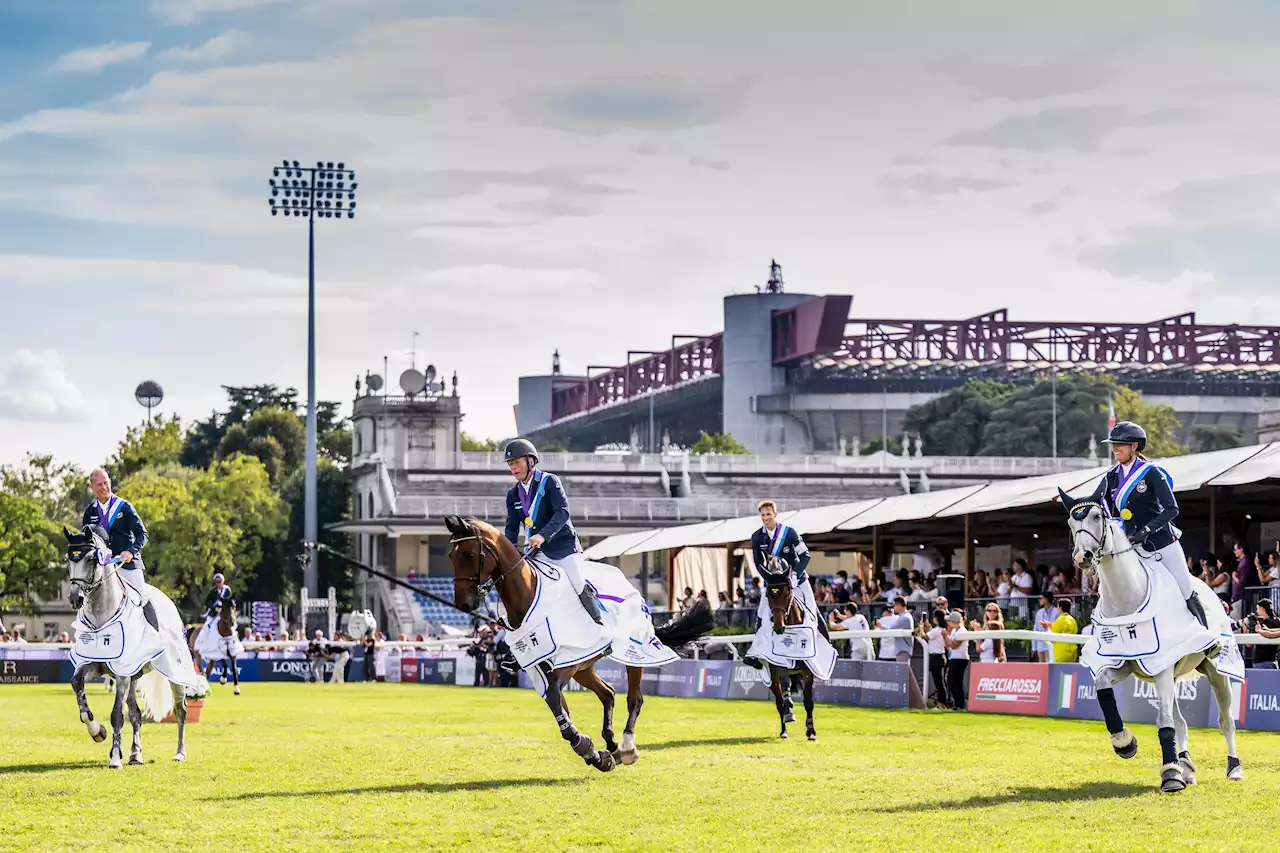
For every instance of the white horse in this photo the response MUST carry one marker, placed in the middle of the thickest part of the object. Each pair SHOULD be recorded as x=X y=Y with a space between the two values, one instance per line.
x=1145 y=633
x=112 y=637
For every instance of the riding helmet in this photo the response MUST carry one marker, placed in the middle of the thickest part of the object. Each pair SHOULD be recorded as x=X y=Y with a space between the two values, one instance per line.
x=518 y=448
x=219 y=577
x=1127 y=432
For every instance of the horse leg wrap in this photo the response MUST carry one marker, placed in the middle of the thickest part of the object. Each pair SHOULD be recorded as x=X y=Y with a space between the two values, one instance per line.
x=1168 y=747
x=584 y=747
x=1110 y=711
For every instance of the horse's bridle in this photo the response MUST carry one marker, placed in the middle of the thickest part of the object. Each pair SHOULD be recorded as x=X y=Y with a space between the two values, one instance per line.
x=482 y=552
x=1099 y=555
x=78 y=556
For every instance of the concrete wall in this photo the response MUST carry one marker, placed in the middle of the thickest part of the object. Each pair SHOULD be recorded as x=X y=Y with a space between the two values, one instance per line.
x=534 y=406
x=749 y=372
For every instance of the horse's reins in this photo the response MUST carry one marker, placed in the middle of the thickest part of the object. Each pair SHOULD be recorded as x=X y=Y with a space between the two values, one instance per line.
x=109 y=569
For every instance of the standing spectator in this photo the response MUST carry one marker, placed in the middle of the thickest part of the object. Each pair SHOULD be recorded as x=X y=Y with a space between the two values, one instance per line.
x=937 y=646
x=1024 y=586
x=898 y=619
x=957 y=659
x=1003 y=588
x=1265 y=624
x=1245 y=577
x=370 y=650
x=919 y=595
x=1064 y=624
x=989 y=650
x=849 y=619
x=753 y=593
x=1045 y=617
x=978 y=587
x=840 y=589
x=1221 y=577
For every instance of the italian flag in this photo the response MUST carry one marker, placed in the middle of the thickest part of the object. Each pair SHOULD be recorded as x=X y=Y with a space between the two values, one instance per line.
x=1067 y=692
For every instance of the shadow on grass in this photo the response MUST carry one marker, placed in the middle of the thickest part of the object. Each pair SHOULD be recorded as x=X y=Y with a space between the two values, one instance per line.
x=50 y=767
x=1072 y=794
x=706 y=741
x=407 y=788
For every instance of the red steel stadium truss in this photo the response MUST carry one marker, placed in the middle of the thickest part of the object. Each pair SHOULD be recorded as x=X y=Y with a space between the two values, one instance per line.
x=819 y=335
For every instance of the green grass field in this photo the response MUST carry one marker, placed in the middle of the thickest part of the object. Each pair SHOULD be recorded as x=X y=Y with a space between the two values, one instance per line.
x=407 y=767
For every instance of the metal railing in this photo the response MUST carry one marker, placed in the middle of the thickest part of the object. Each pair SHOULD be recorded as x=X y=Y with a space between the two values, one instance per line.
x=971 y=466
x=688 y=510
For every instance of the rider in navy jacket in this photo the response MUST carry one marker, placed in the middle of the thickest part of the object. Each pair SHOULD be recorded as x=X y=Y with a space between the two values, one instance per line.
x=787 y=545
x=1141 y=496
x=125 y=534
x=537 y=502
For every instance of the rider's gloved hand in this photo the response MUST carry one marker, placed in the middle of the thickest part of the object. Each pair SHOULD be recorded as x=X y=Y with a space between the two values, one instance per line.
x=1137 y=537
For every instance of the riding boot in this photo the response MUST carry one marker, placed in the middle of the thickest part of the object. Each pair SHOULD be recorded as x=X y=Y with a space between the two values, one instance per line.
x=590 y=603
x=1197 y=610
x=149 y=613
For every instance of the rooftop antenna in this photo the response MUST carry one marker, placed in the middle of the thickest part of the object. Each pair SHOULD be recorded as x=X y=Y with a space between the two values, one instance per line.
x=555 y=363
x=775 y=284
x=413 y=353
x=372 y=382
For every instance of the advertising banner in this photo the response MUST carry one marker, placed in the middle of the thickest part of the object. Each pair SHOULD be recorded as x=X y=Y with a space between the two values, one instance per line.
x=1009 y=688
x=745 y=683
x=1256 y=703
x=883 y=684
x=25 y=671
x=1071 y=692
x=437 y=671
x=409 y=668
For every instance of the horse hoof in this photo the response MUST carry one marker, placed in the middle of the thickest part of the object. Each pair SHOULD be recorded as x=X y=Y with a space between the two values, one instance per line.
x=222 y=680
x=627 y=758
x=789 y=717
x=783 y=736
x=115 y=764
x=1129 y=750
x=1235 y=770
x=1188 y=767
x=813 y=736
x=136 y=760
x=605 y=761
x=98 y=732
x=181 y=756
x=236 y=692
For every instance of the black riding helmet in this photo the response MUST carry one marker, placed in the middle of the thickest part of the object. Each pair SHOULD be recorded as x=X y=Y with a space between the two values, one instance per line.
x=518 y=448
x=1127 y=432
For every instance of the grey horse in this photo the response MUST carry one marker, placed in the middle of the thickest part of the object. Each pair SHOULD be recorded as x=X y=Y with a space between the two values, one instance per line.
x=1099 y=545
x=102 y=598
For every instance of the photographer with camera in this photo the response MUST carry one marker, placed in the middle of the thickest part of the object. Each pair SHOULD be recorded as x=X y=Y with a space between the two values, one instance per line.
x=848 y=618
x=1264 y=623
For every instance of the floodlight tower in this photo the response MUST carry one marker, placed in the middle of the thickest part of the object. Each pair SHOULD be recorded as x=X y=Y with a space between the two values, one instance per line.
x=149 y=394
x=329 y=192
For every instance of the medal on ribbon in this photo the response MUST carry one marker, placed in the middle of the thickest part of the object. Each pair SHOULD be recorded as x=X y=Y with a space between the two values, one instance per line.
x=1126 y=513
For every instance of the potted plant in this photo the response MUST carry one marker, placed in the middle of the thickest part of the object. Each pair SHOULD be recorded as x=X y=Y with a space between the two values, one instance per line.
x=195 y=701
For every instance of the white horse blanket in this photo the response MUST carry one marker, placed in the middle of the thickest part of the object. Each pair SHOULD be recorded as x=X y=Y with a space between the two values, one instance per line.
x=1162 y=632
x=211 y=645
x=797 y=644
x=558 y=631
x=126 y=643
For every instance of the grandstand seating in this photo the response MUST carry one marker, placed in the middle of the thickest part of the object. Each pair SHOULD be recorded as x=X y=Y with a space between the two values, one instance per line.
x=434 y=611
x=833 y=490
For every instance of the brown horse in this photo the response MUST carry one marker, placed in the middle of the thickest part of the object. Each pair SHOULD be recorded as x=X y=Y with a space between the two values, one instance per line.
x=785 y=611
x=226 y=628
x=483 y=556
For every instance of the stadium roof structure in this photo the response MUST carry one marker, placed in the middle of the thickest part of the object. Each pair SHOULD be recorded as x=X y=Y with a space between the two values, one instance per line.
x=948 y=510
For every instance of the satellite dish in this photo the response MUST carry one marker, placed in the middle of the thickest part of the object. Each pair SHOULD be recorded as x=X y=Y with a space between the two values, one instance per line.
x=431 y=373
x=412 y=382
x=148 y=394
x=374 y=382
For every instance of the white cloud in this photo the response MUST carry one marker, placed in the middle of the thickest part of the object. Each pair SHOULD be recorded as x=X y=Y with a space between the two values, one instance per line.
x=188 y=11
x=218 y=47
x=34 y=387
x=93 y=59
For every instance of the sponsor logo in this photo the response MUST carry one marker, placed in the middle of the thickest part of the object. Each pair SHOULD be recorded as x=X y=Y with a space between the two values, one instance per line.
x=1010 y=689
x=1188 y=691
x=1263 y=702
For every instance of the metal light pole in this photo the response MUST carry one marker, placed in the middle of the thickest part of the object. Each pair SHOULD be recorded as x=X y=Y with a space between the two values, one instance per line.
x=1054 y=380
x=328 y=192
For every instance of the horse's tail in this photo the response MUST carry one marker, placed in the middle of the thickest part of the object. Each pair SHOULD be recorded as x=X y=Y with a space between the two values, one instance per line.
x=156 y=694
x=687 y=627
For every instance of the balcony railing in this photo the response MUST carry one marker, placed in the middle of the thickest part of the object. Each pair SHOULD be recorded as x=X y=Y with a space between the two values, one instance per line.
x=937 y=466
x=601 y=509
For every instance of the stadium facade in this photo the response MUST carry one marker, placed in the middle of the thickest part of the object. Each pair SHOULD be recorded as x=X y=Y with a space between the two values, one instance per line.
x=794 y=373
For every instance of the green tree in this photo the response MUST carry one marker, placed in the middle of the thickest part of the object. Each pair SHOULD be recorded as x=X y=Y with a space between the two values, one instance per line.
x=876 y=444
x=276 y=437
x=240 y=489
x=333 y=504
x=1217 y=437
x=1023 y=424
x=1160 y=422
x=471 y=444
x=719 y=443
x=60 y=489
x=30 y=570
x=156 y=444
x=954 y=423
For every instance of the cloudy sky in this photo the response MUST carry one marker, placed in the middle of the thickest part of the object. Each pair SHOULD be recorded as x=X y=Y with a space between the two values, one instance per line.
x=594 y=176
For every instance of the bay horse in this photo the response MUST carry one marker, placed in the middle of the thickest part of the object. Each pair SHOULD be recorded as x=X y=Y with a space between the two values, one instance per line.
x=785 y=611
x=483 y=557
x=225 y=643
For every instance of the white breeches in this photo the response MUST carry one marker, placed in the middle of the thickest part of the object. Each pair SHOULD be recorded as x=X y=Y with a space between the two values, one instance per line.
x=132 y=575
x=570 y=565
x=1172 y=559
